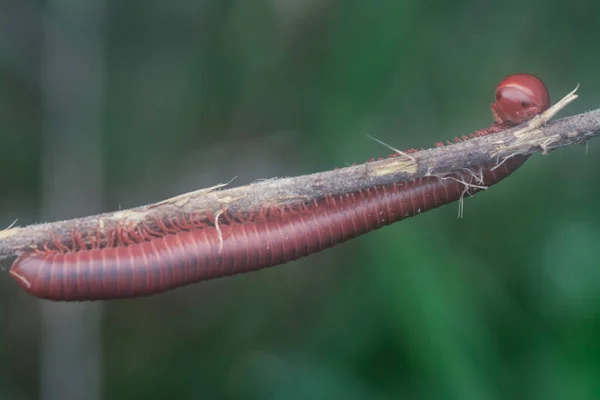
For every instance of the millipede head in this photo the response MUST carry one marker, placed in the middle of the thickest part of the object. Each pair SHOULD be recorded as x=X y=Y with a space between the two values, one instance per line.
x=519 y=98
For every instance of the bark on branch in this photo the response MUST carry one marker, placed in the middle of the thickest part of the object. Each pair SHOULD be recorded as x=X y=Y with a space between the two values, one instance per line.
x=538 y=135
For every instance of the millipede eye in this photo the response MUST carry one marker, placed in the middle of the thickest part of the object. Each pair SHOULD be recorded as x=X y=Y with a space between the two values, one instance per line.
x=520 y=97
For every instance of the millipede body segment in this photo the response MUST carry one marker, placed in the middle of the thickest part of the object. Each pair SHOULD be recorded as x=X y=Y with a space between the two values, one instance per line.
x=146 y=264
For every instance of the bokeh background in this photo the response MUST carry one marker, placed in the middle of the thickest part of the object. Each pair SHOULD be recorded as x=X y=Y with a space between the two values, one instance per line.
x=108 y=104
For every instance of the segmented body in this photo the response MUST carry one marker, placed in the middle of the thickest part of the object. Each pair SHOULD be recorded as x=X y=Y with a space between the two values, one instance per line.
x=229 y=246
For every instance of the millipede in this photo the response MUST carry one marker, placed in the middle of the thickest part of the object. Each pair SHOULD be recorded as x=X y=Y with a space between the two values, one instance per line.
x=153 y=258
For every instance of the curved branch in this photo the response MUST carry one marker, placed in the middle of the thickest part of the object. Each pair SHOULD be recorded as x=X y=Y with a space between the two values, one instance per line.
x=538 y=135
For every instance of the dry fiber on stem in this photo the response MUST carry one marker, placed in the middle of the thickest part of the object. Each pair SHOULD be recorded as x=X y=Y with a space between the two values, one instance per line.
x=538 y=135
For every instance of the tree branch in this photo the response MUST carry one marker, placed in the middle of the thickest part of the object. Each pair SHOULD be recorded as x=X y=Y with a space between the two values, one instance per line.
x=538 y=135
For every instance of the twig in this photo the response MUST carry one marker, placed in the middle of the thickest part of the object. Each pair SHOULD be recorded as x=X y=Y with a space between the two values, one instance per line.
x=538 y=135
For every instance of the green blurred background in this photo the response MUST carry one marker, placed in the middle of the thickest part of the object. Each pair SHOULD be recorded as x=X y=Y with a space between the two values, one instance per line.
x=107 y=105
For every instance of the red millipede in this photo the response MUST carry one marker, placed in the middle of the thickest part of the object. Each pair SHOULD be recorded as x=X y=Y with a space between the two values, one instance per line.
x=139 y=264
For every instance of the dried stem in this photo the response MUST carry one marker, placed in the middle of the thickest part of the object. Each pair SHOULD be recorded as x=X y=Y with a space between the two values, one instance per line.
x=538 y=135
